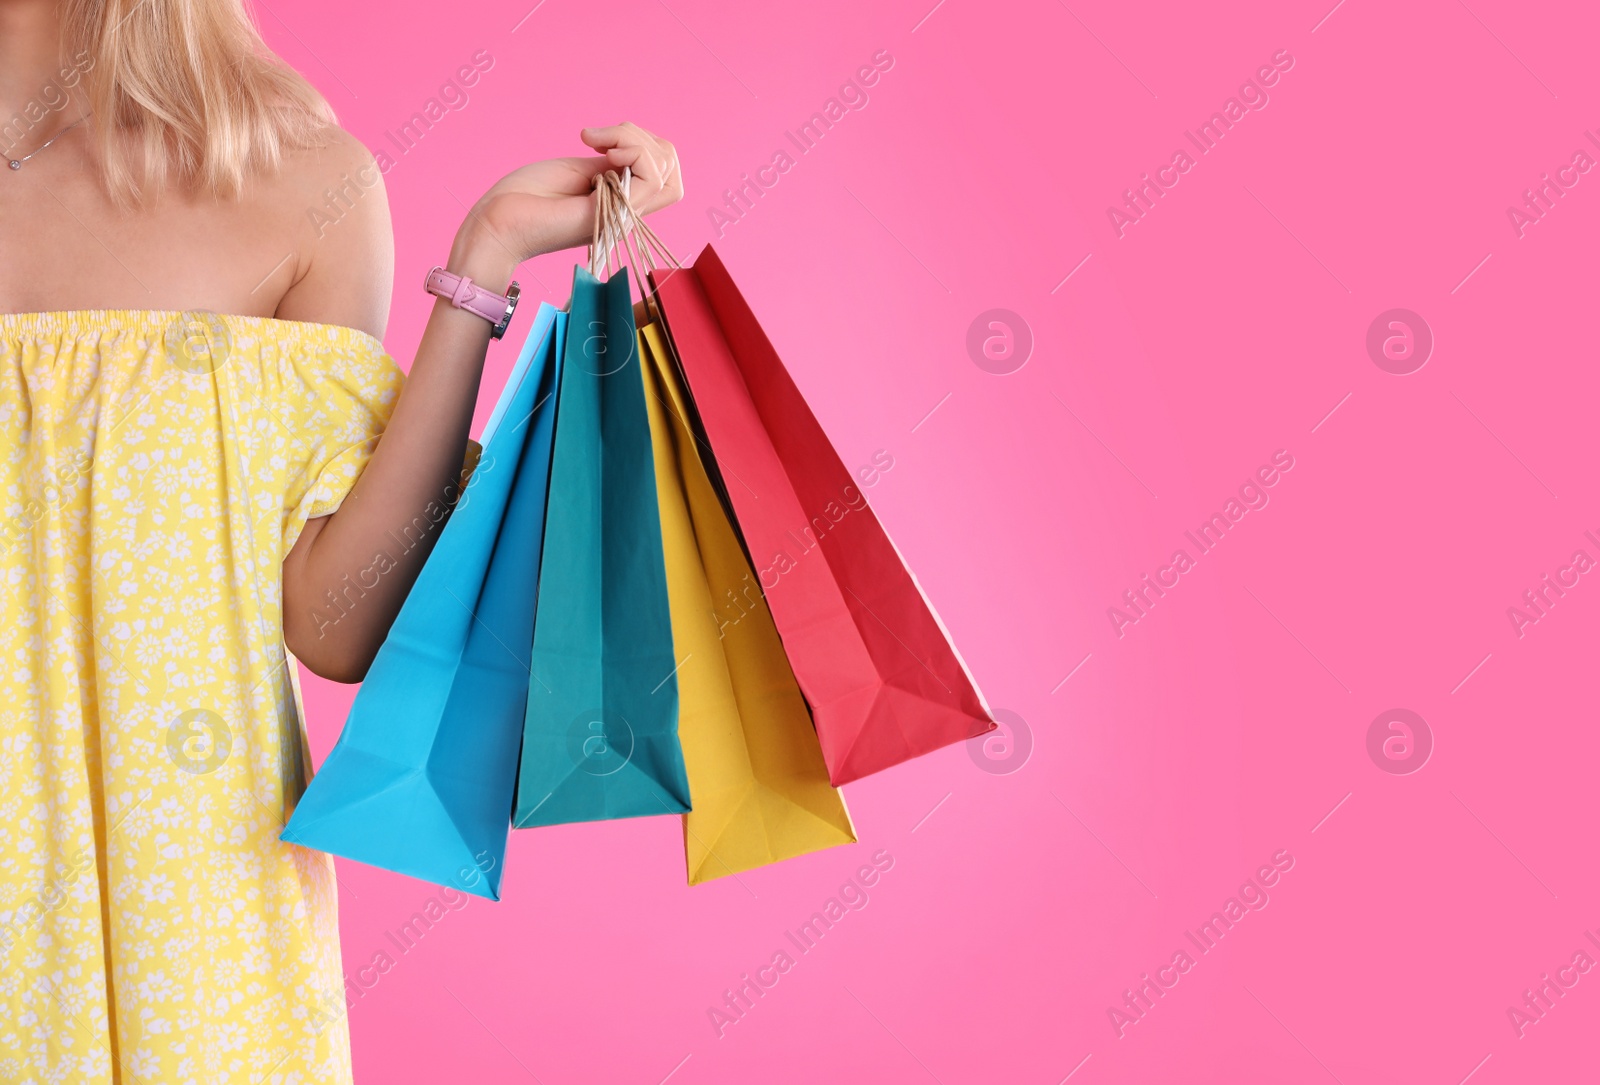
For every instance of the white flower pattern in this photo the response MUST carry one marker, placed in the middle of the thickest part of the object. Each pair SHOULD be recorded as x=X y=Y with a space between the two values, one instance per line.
x=153 y=928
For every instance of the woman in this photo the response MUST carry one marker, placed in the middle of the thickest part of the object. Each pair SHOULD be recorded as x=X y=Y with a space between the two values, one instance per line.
x=184 y=494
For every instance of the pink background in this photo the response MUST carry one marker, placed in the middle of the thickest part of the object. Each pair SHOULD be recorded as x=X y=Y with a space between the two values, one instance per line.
x=1229 y=722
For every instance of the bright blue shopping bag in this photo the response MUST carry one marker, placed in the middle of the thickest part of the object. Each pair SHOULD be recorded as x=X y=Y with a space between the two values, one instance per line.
x=421 y=780
x=601 y=739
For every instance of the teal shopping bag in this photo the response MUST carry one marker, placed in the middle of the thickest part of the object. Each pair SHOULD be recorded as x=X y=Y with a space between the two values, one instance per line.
x=601 y=738
x=421 y=780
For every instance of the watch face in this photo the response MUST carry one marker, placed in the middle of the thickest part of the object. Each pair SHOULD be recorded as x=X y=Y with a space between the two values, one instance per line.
x=512 y=294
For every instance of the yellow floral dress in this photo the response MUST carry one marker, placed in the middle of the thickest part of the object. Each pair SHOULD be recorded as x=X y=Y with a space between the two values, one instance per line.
x=155 y=468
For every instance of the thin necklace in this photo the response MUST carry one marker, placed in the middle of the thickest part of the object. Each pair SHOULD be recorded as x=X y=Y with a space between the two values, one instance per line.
x=16 y=163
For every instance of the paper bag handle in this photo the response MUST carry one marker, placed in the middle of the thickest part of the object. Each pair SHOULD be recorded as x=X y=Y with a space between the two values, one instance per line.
x=618 y=226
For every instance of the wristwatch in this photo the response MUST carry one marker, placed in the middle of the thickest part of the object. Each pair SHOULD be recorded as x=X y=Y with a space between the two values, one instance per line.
x=463 y=293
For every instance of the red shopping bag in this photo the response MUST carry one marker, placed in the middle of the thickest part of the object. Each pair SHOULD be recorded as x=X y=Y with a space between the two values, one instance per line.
x=884 y=682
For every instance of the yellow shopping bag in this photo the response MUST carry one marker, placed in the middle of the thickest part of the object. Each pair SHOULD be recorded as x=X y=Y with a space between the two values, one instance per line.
x=757 y=782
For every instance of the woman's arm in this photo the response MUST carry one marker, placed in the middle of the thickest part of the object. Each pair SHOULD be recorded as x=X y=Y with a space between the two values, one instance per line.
x=539 y=208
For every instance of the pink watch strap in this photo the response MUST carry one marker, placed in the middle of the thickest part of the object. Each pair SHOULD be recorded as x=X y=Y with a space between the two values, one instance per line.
x=463 y=293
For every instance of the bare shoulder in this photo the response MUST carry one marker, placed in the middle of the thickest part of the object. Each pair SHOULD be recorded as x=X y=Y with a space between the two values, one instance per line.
x=343 y=241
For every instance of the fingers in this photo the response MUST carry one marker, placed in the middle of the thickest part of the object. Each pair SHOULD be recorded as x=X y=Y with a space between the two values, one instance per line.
x=642 y=164
x=674 y=174
x=645 y=190
x=653 y=160
x=612 y=135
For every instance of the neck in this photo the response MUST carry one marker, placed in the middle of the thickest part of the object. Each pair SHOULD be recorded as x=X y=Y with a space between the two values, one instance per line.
x=39 y=92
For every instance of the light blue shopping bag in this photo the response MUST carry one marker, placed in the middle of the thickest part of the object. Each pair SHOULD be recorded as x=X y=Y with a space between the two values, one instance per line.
x=421 y=780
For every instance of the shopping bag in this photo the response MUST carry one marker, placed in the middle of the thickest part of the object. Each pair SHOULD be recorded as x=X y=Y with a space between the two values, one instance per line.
x=884 y=682
x=601 y=734
x=756 y=775
x=421 y=779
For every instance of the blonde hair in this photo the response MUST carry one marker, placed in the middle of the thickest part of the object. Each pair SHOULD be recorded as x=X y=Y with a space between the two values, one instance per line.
x=185 y=93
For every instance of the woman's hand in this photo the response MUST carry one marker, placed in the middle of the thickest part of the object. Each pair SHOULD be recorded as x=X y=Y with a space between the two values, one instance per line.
x=549 y=205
